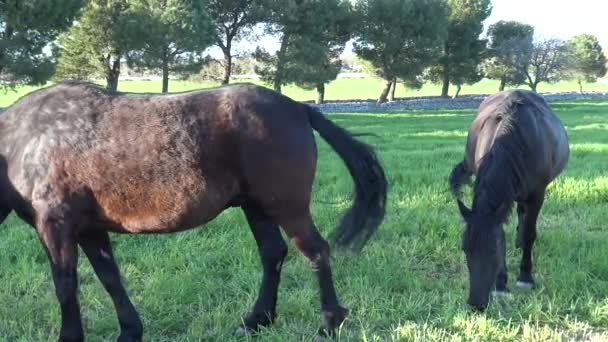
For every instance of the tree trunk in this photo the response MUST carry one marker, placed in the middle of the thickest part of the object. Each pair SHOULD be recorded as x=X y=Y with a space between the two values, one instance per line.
x=391 y=94
x=580 y=86
x=458 y=88
x=445 y=89
x=320 y=93
x=165 y=75
x=503 y=82
x=227 y=65
x=278 y=77
x=384 y=94
x=533 y=86
x=112 y=74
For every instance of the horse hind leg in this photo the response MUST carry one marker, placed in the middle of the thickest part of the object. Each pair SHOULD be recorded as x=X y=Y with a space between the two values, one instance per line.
x=98 y=249
x=306 y=238
x=273 y=250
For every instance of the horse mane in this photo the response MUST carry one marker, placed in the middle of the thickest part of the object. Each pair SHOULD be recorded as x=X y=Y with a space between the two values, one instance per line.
x=503 y=169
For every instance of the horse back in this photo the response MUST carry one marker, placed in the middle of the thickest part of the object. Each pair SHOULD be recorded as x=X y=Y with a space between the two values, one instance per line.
x=150 y=163
x=522 y=121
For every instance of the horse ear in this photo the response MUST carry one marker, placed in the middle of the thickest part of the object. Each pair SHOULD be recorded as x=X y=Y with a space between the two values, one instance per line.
x=464 y=211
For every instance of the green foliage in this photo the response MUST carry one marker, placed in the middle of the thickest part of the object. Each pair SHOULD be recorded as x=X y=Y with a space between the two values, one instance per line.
x=213 y=70
x=550 y=61
x=284 y=19
x=589 y=61
x=169 y=35
x=233 y=21
x=96 y=43
x=463 y=49
x=511 y=45
x=313 y=58
x=265 y=66
x=26 y=28
x=313 y=35
x=400 y=38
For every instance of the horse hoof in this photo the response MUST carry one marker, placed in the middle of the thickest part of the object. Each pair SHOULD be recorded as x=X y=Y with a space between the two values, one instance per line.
x=501 y=293
x=242 y=332
x=319 y=338
x=524 y=285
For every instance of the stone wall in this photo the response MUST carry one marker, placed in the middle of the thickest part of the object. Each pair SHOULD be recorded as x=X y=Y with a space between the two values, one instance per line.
x=435 y=102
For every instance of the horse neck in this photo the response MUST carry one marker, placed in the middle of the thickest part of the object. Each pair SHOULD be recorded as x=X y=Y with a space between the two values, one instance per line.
x=496 y=186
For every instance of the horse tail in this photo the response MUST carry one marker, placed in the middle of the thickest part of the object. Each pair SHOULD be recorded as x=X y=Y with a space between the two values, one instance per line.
x=362 y=220
x=459 y=176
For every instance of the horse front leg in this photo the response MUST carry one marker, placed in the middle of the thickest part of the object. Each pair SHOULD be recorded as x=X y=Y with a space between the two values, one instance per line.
x=502 y=277
x=527 y=237
x=58 y=235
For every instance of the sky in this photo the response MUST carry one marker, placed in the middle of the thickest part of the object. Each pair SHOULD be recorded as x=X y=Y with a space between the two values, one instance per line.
x=556 y=18
x=551 y=19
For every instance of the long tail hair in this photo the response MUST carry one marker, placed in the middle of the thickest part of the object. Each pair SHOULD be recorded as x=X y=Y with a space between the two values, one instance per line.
x=460 y=175
x=362 y=220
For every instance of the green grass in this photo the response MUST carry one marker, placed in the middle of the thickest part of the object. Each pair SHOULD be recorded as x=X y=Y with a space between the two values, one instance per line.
x=344 y=88
x=408 y=284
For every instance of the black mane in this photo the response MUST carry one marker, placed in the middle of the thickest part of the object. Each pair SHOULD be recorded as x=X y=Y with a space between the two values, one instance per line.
x=503 y=170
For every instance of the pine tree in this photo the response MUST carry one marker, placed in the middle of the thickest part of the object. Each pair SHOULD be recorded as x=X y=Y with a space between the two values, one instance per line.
x=26 y=28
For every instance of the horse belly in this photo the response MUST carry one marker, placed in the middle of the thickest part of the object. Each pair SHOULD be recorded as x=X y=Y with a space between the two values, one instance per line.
x=162 y=206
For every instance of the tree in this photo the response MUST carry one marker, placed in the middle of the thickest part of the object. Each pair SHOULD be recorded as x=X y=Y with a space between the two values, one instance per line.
x=465 y=73
x=549 y=62
x=281 y=19
x=589 y=61
x=312 y=36
x=313 y=59
x=285 y=19
x=213 y=70
x=462 y=50
x=97 y=42
x=400 y=38
x=232 y=19
x=169 y=35
x=76 y=62
x=511 y=45
x=26 y=28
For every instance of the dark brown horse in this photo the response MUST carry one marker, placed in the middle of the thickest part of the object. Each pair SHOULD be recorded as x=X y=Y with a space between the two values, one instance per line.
x=516 y=147
x=77 y=162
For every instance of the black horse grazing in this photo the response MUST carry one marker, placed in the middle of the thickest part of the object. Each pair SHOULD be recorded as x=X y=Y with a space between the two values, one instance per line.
x=516 y=146
x=77 y=162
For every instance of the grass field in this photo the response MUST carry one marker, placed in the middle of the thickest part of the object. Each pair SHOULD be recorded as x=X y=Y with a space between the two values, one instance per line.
x=344 y=88
x=409 y=283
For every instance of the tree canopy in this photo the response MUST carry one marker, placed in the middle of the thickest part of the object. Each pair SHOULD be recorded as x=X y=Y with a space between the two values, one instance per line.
x=26 y=28
x=400 y=38
x=314 y=59
x=312 y=35
x=588 y=59
x=96 y=43
x=168 y=35
x=511 y=45
x=463 y=49
x=233 y=20
x=549 y=62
